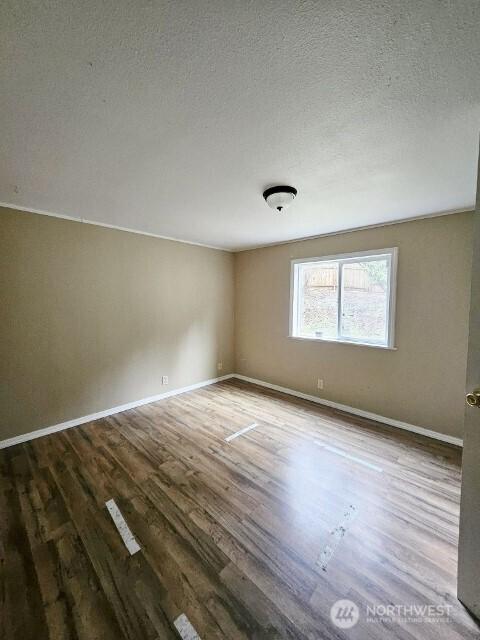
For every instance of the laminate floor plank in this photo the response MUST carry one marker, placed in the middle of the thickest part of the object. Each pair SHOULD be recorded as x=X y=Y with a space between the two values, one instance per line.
x=230 y=533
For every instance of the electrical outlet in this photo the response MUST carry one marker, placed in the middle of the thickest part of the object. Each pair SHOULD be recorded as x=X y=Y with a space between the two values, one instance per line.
x=164 y=379
x=320 y=383
x=219 y=366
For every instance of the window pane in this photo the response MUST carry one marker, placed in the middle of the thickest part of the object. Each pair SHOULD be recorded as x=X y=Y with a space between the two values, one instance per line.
x=318 y=300
x=365 y=300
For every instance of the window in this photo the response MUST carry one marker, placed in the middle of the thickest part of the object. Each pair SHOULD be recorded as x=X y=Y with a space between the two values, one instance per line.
x=347 y=298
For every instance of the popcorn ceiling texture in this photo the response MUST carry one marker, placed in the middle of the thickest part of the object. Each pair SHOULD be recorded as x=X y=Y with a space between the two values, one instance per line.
x=172 y=117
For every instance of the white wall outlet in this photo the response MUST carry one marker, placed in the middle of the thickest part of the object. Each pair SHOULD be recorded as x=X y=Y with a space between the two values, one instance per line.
x=320 y=383
x=164 y=379
x=219 y=366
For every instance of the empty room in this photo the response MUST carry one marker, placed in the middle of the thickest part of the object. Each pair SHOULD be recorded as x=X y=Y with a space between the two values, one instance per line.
x=239 y=320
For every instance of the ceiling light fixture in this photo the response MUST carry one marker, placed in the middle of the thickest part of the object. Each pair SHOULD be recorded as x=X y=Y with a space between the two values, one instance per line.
x=279 y=198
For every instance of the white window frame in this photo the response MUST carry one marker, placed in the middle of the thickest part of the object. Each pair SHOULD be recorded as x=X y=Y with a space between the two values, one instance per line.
x=390 y=254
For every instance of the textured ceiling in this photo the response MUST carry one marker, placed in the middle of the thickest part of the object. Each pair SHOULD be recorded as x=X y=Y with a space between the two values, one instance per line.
x=172 y=117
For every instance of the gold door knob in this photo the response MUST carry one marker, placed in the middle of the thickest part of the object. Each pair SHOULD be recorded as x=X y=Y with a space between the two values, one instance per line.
x=473 y=399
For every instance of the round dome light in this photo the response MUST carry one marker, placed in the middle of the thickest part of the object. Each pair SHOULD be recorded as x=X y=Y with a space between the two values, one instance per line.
x=280 y=198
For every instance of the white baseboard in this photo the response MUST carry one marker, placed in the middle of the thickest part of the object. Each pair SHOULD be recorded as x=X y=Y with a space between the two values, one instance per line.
x=357 y=412
x=25 y=437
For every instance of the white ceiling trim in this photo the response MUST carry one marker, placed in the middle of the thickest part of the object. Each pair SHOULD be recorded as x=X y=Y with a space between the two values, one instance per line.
x=389 y=223
x=439 y=214
x=17 y=207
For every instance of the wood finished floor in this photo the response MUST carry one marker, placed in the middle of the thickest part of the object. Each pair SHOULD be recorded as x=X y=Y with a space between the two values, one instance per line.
x=230 y=533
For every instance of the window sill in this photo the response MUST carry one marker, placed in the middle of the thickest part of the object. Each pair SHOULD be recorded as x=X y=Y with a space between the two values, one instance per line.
x=351 y=342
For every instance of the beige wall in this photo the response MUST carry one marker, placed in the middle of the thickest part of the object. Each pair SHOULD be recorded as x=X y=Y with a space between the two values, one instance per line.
x=91 y=318
x=423 y=381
